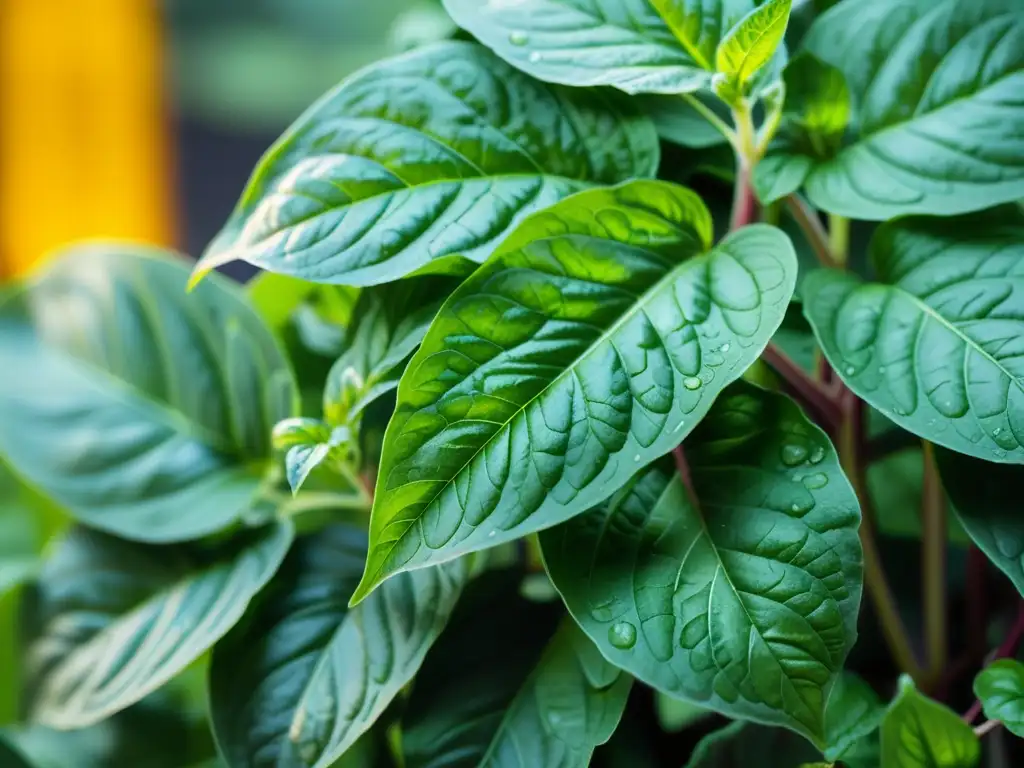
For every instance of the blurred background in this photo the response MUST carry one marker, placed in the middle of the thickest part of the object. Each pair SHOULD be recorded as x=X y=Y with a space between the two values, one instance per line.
x=142 y=119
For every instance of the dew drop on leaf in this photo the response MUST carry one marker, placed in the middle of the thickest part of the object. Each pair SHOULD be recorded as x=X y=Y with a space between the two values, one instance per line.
x=535 y=56
x=997 y=432
x=692 y=383
x=815 y=481
x=850 y=370
x=817 y=454
x=724 y=348
x=518 y=38
x=802 y=505
x=793 y=454
x=622 y=635
x=637 y=458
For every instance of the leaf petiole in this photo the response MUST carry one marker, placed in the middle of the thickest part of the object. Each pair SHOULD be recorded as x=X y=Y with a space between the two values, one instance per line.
x=933 y=565
x=716 y=122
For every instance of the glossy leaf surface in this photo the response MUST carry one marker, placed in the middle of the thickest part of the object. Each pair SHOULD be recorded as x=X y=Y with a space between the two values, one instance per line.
x=593 y=340
x=117 y=619
x=852 y=718
x=986 y=500
x=639 y=46
x=747 y=605
x=920 y=733
x=499 y=690
x=422 y=163
x=1000 y=687
x=735 y=745
x=935 y=87
x=304 y=676
x=752 y=42
x=144 y=410
x=936 y=345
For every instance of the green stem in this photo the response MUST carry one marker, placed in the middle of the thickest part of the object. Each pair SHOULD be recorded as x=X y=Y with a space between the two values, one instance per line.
x=988 y=725
x=933 y=565
x=708 y=114
x=839 y=238
x=813 y=230
x=851 y=444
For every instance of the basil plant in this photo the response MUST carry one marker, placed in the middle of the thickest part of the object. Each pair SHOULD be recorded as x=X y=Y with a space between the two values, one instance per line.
x=603 y=357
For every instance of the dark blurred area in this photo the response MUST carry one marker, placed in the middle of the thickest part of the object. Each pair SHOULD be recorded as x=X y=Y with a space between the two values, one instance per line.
x=142 y=119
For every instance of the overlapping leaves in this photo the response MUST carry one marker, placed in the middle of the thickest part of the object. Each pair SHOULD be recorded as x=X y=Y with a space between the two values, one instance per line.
x=421 y=164
x=747 y=604
x=593 y=340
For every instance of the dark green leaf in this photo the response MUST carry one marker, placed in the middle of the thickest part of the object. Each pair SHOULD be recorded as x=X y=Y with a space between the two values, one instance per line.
x=739 y=745
x=593 y=340
x=752 y=42
x=747 y=605
x=934 y=344
x=639 y=46
x=935 y=87
x=920 y=733
x=421 y=164
x=145 y=411
x=522 y=708
x=1000 y=687
x=11 y=758
x=304 y=676
x=114 y=620
x=852 y=718
x=986 y=499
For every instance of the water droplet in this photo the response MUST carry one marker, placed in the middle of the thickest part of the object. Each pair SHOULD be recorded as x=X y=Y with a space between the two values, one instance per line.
x=554 y=718
x=793 y=454
x=997 y=432
x=637 y=458
x=692 y=383
x=622 y=635
x=999 y=453
x=725 y=347
x=815 y=481
x=817 y=454
x=881 y=369
x=518 y=38
x=803 y=505
x=535 y=56
x=849 y=370
x=492 y=533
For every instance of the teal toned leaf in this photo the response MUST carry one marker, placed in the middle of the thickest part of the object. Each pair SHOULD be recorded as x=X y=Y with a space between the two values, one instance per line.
x=936 y=343
x=935 y=88
x=422 y=163
x=145 y=411
x=639 y=46
x=117 y=619
x=304 y=676
x=748 y=605
x=1000 y=688
x=593 y=340
x=920 y=733
x=814 y=119
x=752 y=43
x=498 y=690
x=986 y=499
x=852 y=718
x=736 y=745
x=12 y=758
x=680 y=123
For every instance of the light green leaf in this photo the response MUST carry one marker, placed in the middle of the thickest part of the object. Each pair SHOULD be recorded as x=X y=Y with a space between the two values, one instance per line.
x=920 y=733
x=935 y=88
x=304 y=676
x=422 y=163
x=814 y=119
x=277 y=297
x=748 y=605
x=144 y=410
x=116 y=619
x=680 y=123
x=638 y=46
x=986 y=500
x=674 y=714
x=737 y=744
x=752 y=42
x=593 y=340
x=498 y=690
x=1000 y=688
x=935 y=344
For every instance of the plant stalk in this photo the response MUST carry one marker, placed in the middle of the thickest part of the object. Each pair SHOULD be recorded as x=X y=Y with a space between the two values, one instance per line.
x=716 y=122
x=988 y=725
x=839 y=238
x=933 y=565
x=851 y=454
x=1007 y=648
x=744 y=203
x=813 y=229
x=683 y=468
x=818 y=399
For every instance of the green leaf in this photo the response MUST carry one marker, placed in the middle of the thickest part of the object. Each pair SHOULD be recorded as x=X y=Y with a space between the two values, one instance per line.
x=521 y=708
x=674 y=714
x=852 y=718
x=638 y=46
x=735 y=745
x=920 y=733
x=677 y=121
x=752 y=43
x=304 y=676
x=114 y=619
x=145 y=411
x=814 y=119
x=12 y=758
x=1000 y=688
x=422 y=163
x=19 y=534
x=934 y=344
x=593 y=340
x=935 y=88
x=986 y=500
x=748 y=605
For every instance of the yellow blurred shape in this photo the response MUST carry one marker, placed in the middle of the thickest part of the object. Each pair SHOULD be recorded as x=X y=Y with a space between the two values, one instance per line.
x=83 y=132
